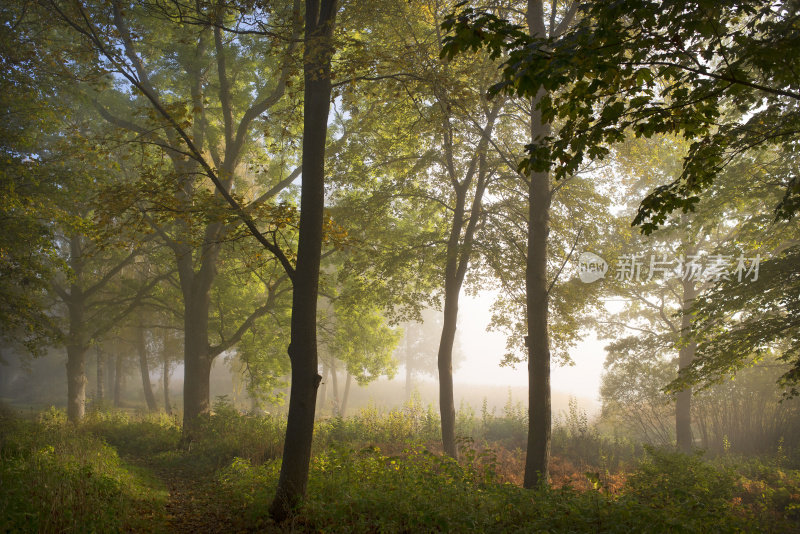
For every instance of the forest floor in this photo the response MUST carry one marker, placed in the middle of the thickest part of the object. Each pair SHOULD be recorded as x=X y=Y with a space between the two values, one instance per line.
x=370 y=473
x=191 y=507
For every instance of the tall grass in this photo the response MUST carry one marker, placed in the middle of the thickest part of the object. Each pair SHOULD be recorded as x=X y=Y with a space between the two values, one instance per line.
x=56 y=477
x=377 y=472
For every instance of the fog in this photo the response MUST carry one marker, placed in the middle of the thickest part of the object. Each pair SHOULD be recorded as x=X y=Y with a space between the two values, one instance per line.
x=399 y=266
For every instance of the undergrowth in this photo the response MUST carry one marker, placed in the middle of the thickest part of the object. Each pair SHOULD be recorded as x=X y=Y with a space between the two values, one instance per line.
x=59 y=478
x=379 y=472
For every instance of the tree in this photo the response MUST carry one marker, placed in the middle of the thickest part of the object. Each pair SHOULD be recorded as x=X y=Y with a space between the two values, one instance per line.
x=196 y=137
x=691 y=254
x=361 y=340
x=418 y=348
x=744 y=319
x=601 y=79
x=28 y=252
x=707 y=72
x=318 y=40
x=94 y=292
x=431 y=158
x=539 y=199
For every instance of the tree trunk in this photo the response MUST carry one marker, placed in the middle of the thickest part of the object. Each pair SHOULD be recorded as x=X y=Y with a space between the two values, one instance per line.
x=683 y=401
x=537 y=458
x=141 y=348
x=346 y=394
x=118 y=380
x=77 y=346
x=197 y=362
x=320 y=17
x=323 y=393
x=409 y=371
x=110 y=376
x=538 y=341
x=447 y=407
x=101 y=374
x=452 y=288
x=76 y=382
x=335 y=387
x=165 y=380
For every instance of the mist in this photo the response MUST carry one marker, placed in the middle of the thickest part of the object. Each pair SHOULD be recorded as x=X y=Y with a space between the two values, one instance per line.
x=399 y=266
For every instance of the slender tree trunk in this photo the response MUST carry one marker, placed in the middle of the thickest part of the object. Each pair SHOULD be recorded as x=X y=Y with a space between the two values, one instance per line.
x=320 y=18
x=165 y=380
x=447 y=405
x=335 y=387
x=141 y=348
x=101 y=374
x=458 y=257
x=119 y=377
x=110 y=375
x=452 y=288
x=76 y=355
x=537 y=458
x=346 y=394
x=683 y=402
x=76 y=382
x=538 y=341
x=323 y=393
x=409 y=369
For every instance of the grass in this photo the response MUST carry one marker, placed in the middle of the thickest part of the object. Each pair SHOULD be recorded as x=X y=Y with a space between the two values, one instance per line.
x=59 y=478
x=374 y=472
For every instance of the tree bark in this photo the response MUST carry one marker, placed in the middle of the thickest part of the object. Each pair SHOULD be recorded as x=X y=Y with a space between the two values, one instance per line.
x=101 y=374
x=323 y=393
x=335 y=387
x=538 y=341
x=165 y=380
x=119 y=378
x=77 y=344
x=458 y=256
x=537 y=458
x=76 y=382
x=320 y=17
x=141 y=348
x=683 y=401
x=409 y=385
x=346 y=394
x=447 y=407
x=110 y=375
x=197 y=361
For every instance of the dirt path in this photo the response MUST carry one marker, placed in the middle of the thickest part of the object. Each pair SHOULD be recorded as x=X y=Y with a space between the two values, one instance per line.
x=193 y=507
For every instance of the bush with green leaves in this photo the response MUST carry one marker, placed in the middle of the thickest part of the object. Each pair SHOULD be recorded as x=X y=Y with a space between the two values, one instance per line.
x=409 y=425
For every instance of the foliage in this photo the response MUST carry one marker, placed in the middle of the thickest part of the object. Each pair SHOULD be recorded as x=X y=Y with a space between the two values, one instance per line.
x=707 y=72
x=413 y=424
x=362 y=340
x=510 y=429
x=58 y=478
x=690 y=492
x=740 y=324
x=354 y=486
x=149 y=435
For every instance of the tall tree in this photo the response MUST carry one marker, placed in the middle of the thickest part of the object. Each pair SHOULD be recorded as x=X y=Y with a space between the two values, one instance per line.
x=198 y=138
x=431 y=162
x=317 y=54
